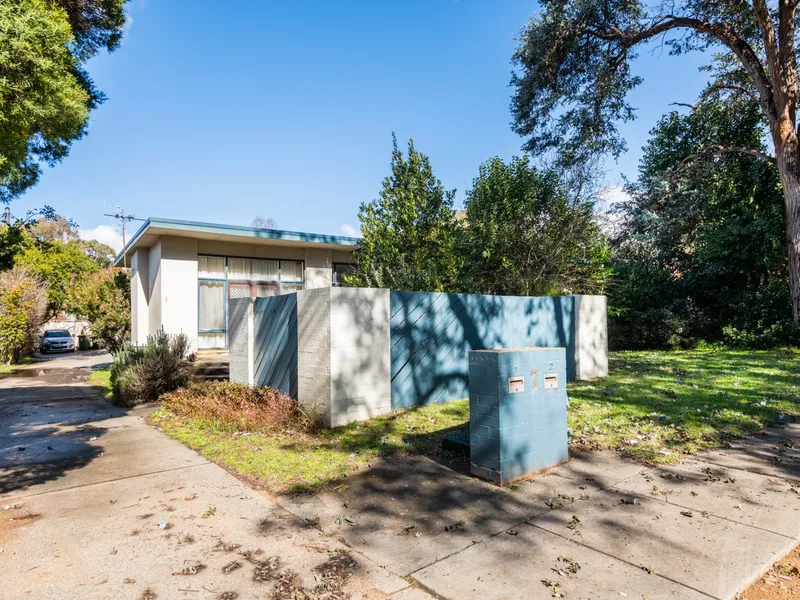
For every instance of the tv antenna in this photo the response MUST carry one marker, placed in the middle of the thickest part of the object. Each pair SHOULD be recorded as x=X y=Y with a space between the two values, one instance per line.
x=123 y=218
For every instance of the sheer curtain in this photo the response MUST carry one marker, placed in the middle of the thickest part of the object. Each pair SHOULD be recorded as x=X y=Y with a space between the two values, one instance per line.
x=212 y=305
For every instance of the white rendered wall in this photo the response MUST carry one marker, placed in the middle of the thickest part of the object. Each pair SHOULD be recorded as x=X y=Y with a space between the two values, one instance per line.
x=154 y=288
x=319 y=268
x=179 y=286
x=140 y=310
x=360 y=351
x=591 y=337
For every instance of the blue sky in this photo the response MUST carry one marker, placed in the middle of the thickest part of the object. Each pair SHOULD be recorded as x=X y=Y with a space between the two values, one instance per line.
x=285 y=109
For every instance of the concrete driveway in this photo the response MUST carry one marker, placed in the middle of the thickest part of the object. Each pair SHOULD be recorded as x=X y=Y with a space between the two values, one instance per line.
x=96 y=503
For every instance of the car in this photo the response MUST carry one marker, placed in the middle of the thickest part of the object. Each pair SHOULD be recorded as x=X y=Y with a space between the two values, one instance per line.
x=56 y=340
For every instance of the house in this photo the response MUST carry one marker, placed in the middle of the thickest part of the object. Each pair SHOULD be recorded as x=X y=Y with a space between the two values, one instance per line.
x=184 y=273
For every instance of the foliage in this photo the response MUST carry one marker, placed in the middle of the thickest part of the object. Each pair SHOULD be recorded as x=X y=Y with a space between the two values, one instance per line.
x=573 y=78
x=143 y=373
x=677 y=279
x=23 y=303
x=292 y=460
x=14 y=239
x=58 y=264
x=660 y=406
x=45 y=94
x=238 y=407
x=103 y=298
x=524 y=237
x=409 y=233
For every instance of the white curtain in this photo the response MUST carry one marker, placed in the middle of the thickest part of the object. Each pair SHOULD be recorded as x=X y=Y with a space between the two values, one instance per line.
x=239 y=269
x=210 y=267
x=265 y=270
x=212 y=305
x=291 y=271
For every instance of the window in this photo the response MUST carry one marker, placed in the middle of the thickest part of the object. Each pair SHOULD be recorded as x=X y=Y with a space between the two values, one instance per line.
x=222 y=279
x=291 y=271
x=212 y=306
x=211 y=267
x=339 y=271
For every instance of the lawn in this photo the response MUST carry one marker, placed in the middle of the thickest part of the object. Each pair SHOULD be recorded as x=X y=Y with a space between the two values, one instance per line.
x=9 y=369
x=102 y=379
x=655 y=407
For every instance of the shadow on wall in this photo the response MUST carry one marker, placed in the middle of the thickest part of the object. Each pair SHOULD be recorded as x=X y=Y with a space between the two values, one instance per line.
x=432 y=334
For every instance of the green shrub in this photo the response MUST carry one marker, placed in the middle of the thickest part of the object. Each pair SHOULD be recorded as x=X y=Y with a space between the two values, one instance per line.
x=238 y=407
x=143 y=373
x=23 y=303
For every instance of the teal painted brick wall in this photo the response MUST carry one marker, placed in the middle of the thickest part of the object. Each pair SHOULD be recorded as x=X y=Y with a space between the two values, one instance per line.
x=432 y=334
x=514 y=434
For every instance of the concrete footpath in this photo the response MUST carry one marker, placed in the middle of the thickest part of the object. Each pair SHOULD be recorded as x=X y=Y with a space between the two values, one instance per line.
x=597 y=527
x=102 y=505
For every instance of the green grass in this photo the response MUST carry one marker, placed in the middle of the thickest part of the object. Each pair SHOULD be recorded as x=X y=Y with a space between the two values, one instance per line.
x=101 y=379
x=655 y=407
x=296 y=461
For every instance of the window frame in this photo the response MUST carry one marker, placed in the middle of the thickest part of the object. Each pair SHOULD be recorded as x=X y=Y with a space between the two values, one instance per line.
x=226 y=280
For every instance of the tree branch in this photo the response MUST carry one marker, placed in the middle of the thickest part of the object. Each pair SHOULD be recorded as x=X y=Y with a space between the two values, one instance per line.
x=723 y=150
x=710 y=90
x=726 y=36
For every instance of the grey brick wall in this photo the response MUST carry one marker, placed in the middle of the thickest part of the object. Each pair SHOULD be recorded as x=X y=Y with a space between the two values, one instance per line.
x=314 y=351
x=238 y=340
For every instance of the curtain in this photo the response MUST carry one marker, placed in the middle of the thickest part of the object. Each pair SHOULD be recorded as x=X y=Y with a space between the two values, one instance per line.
x=291 y=271
x=212 y=305
x=210 y=267
x=265 y=270
x=239 y=269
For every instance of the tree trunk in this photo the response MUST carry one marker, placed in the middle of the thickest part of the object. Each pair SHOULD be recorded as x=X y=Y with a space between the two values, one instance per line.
x=789 y=168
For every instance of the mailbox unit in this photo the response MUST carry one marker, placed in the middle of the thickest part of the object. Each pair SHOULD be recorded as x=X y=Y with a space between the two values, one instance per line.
x=518 y=411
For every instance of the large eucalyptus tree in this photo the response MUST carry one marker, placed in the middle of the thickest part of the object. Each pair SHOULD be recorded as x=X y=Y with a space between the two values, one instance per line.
x=574 y=74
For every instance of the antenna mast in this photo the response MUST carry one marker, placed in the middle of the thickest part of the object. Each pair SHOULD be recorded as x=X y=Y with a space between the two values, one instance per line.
x=123 y=218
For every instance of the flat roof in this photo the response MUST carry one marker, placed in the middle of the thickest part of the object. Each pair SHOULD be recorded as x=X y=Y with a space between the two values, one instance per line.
x=154 y=228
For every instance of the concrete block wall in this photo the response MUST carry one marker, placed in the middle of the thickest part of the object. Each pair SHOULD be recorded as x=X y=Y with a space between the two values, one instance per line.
x=362 y=352
x=314 y=351
x=241 y=340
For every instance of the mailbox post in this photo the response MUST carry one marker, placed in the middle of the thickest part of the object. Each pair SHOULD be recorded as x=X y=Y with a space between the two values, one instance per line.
x=518 y=412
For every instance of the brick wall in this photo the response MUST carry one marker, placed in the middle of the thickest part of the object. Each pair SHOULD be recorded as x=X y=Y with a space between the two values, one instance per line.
x=239 y=311
x=314 y=351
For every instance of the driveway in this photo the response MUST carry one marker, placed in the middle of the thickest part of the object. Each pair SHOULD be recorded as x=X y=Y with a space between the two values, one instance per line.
x=96 y=503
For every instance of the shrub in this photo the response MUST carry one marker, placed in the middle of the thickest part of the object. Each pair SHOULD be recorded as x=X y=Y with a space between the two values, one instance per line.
x=103 y=298
x=238 y=407
x=143 y=373
x=23 y=304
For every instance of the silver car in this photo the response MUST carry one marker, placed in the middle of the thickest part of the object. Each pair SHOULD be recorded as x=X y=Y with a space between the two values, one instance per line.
x=56 y=340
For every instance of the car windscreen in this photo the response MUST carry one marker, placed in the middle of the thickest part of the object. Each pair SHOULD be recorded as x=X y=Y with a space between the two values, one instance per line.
x=56 y=333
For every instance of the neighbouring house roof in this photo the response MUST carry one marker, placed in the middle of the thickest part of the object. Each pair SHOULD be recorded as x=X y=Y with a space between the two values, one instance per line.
x=154 y=228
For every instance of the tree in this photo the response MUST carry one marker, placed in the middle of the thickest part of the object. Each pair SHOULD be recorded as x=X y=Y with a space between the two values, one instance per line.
x=524 y=237
x=574 y=75
x=103 y=298
x=408 y=239
x=677 y=279
x=45 y=94
x=23 y=303
x=260 y=222
x=57 y=265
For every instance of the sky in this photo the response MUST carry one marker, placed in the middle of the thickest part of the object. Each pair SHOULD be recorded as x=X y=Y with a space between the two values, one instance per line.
x=285 y=109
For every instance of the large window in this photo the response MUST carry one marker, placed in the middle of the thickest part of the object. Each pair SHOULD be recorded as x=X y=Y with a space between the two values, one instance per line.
x=221 y=279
